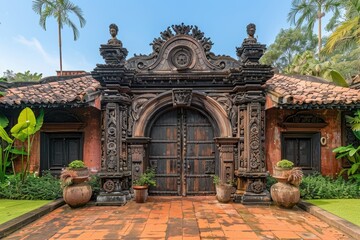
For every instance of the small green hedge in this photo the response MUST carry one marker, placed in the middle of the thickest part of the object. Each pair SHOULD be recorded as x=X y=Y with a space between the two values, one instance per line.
x=46 y=187
x=316 y=186
x=319 y=187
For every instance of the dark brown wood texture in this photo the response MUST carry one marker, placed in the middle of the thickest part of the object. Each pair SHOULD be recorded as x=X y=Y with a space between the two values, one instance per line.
x=182 y=150
x=303 y=149
x=59 y=150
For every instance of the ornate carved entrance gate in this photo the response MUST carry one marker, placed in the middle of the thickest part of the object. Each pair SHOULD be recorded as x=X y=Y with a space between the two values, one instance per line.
x=183 y=74
x=182 y=151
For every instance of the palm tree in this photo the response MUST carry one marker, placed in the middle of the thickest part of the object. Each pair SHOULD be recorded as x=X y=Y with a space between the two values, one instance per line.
x=348 y=32
x=60 y=10
x=311 y=10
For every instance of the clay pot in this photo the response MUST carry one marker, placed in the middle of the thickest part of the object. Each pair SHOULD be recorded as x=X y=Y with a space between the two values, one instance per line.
x=141 y=193
x=223 y=192
x=82 y=175
x=285 y=195
x=77 y=195
x=281 y=174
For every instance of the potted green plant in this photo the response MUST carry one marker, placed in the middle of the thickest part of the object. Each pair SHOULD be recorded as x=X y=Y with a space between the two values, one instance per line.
x=282 y=169
x=142 y=184
x=74 y=181
x=286 y=192
x=223 y=190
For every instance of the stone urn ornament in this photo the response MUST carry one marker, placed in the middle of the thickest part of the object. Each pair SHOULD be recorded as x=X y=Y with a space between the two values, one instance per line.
x=74 y=181
x=285 y=193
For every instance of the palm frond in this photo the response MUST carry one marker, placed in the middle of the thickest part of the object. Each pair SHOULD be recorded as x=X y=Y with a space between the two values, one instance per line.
x=342 y=34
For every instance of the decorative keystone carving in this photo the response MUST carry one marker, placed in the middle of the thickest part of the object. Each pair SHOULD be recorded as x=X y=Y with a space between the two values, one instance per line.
x=182 y=97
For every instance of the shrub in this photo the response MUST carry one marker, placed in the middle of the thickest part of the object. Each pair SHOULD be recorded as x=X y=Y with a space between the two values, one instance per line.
x=46 y=187
x=317 y=186
x=94 y=182
x=146 y=179
x=77 y=164
x=284 y=164
x=269 y=182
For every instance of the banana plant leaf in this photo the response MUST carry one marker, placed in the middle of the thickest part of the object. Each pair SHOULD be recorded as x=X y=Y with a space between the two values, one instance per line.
x=18 y=130
x=5 y=136
x=4 y=121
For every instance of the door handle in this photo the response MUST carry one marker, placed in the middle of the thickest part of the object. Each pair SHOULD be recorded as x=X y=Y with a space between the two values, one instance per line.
x=188 y=166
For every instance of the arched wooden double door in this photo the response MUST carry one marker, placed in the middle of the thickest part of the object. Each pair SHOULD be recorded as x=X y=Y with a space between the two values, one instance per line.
x=182 y=150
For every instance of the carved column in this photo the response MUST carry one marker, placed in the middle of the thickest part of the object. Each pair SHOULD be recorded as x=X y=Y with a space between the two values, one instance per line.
x=115 y=173
x=115 y=169
x=251 y=173
x=249 y=97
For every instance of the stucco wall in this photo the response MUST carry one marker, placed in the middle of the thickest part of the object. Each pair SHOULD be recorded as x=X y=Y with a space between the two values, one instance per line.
x=331 y=132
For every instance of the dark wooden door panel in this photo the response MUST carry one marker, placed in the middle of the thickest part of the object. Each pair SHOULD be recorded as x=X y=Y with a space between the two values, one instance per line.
x=182 y=150
x=200 y=154
x=164 y=155
x=59 y=149
x=303 y=149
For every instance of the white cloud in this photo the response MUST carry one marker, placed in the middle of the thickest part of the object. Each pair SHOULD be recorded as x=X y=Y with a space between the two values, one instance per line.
x=22 y=54
x=34 y=44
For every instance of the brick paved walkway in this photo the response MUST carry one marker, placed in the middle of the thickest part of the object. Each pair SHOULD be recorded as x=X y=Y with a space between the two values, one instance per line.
x=178 y=218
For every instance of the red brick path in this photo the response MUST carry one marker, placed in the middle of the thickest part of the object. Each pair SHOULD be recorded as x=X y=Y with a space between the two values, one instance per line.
x=179 y=218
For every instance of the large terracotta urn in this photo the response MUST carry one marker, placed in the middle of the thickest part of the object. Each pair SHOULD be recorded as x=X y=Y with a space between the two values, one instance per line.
x=285 y=193
x=77 y=195
x=76 y=190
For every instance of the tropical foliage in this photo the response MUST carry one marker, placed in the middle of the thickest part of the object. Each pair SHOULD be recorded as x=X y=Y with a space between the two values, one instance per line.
x=347 y=32
x=288 y=43
x=351 y=153
x=60 y=10
x=23 y=131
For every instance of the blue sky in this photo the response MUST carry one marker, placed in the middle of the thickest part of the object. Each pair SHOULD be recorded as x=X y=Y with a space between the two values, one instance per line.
x=24 y=45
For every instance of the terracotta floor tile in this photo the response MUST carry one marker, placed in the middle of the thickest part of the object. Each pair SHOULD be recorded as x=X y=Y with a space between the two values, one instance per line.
x=286 y=235
x=307 y=236
x=179 y=218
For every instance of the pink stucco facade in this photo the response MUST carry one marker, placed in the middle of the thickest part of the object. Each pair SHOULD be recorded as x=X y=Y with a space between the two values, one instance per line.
x=331 y=134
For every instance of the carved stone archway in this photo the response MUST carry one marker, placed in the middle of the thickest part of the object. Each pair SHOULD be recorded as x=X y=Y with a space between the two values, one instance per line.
x=170 y=98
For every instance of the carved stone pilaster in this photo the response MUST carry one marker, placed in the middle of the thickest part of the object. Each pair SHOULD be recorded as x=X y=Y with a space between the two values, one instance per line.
x=137 y=148
x=226 y=146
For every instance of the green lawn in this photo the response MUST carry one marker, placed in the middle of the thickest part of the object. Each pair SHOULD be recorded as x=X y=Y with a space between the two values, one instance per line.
x=10 y=209
x=348 y=209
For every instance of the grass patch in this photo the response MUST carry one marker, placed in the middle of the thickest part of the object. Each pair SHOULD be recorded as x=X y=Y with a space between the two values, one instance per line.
x=10 y=209
x=348 y=209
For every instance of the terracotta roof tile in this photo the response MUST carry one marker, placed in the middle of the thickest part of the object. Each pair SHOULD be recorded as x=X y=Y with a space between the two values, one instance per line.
x=312 y=91
x=62 y=92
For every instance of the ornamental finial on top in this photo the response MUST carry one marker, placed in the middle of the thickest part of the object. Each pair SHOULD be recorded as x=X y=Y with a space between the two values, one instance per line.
x=113 y=29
